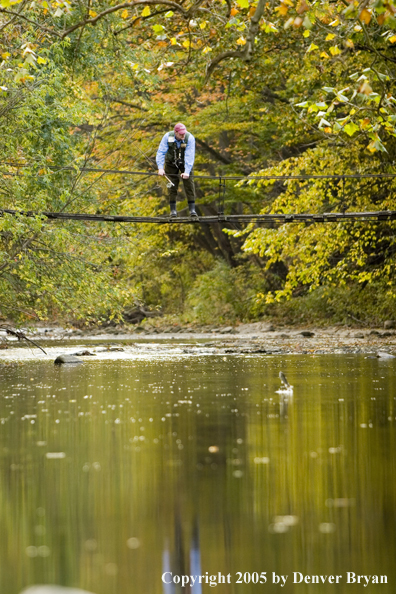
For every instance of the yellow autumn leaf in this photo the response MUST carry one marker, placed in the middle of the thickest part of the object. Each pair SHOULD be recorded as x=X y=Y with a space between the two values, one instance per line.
x=146 y=11
x=334 y=50
x=365 y=16
x=302 y=7
x=392 y=39
x=241 y=41
x=186 y=43
x=41 y=60
x=311 y=48
x=327 y=129
x=306 y=33
x=124 y=14
x=203 y=25
x=324 y=55
x=7 y=55
x=330 y=36
x=93 y=14
x=282 y=9
x=371 y=147
x=206 y=50
x=173 y=41
x=365 y=88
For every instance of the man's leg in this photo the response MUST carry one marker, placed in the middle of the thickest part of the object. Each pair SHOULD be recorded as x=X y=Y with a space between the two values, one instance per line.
x=189 y=188
x=173 y=173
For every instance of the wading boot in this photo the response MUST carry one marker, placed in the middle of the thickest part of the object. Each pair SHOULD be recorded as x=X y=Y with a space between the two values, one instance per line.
x=191 y=207
x=173 y=211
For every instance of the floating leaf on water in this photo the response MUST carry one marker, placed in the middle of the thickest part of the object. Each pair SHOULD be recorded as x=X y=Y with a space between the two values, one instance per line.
x=327 y=528
x=31 y=551
x=39 y=530
x=340 y=502
x=43 y=551
x=336 y=450
x=133 y=543
x=111 y=569
x=263 y=460
x=90 y=545
x=55 y=455
x=288 y=520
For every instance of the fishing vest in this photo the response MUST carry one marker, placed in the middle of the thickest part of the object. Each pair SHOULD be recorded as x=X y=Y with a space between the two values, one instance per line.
x=175 y=155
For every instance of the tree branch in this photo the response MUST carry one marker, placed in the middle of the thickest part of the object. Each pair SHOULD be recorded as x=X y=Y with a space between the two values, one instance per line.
x=271 y=96
x=21 y=335
x=213 y=152
x=118 y=7
x=133 y=105
x=139 y=18
x=20 y=16
x=247 y=53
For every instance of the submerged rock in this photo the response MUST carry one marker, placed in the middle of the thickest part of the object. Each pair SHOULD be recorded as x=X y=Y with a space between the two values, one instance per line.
x=67 y=360
x=51 y=589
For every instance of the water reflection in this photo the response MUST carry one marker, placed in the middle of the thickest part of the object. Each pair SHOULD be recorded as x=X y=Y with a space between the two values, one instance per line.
x=114 y=473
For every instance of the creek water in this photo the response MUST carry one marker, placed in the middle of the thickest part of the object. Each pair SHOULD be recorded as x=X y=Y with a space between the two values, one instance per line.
x=120 y=470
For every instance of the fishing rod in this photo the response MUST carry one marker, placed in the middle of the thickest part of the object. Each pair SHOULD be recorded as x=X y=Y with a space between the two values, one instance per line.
x=170 y=182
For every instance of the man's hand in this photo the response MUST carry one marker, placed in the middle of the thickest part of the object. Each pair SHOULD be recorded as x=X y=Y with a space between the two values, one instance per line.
x=185 y=175
x=161 y=171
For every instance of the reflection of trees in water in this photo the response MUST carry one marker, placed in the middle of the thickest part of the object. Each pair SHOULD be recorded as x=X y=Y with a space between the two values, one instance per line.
x=248 y=491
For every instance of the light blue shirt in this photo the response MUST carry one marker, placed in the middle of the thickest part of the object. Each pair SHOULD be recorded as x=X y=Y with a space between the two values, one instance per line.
x=189 y=152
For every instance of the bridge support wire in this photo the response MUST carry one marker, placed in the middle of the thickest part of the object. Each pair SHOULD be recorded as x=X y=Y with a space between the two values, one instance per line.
x=272 y=219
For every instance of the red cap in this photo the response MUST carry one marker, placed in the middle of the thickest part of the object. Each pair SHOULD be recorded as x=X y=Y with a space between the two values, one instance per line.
x=180 y=128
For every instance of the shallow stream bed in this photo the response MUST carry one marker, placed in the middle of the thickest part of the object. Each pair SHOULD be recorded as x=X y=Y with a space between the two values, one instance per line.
x=174 y=459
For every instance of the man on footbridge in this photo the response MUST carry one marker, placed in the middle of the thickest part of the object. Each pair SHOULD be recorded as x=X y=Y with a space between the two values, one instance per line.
x=175 y=155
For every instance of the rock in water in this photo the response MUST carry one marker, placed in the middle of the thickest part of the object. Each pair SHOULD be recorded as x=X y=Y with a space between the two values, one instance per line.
x=50 y=589
x=67 y=359
x=388 y=324
x=384 y=355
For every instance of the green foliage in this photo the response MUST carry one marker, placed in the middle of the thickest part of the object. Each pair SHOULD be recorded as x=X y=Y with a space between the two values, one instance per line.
x=309 y=89
x=225 y=295
x=350 y=305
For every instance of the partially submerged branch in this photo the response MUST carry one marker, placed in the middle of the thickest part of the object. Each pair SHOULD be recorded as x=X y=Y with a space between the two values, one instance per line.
x=21 y=336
